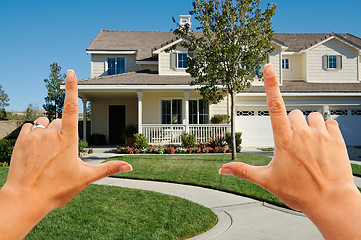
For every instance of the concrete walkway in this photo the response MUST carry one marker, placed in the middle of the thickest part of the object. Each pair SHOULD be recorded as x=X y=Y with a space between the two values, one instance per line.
x=238 y=217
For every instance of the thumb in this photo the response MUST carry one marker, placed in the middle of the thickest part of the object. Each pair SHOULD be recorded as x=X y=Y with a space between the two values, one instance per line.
x=103 y=170
x=250 y=173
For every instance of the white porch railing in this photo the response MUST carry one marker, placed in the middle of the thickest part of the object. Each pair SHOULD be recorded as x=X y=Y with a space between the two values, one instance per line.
x=204 y=132
x=164 y=134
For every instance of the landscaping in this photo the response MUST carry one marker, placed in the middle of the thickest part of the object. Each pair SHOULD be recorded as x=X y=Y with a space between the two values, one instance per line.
x=105 y=212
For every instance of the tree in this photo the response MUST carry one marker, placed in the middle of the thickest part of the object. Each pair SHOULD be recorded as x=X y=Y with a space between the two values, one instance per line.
x=32 y=112
x=55 y=99
x=226 y=56
x=4 y=102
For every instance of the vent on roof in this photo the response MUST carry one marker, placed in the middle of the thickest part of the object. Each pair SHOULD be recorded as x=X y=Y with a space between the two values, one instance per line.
x=184 y=20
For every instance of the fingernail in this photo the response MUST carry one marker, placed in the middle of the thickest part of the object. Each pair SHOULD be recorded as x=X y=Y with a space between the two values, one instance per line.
x=71 y=70
x=225 y=171
x=125 y=168
x=269 y=70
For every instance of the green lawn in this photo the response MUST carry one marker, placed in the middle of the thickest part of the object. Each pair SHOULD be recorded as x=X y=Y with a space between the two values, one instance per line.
x=200 y=170
x=105 y=212
x=356 y=169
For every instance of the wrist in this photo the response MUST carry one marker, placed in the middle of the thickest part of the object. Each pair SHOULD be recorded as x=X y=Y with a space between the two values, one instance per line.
x=20 y=212
x=332 y=212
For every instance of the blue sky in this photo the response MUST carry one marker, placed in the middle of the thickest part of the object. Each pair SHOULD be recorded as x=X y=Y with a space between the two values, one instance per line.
x=34 y=34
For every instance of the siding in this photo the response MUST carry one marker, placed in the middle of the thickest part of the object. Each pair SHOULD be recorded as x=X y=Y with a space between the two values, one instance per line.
x=220 y=108
x=275 y=59
x=98 y=64
x=348 y=73
x=295 y=72
x=164 y=63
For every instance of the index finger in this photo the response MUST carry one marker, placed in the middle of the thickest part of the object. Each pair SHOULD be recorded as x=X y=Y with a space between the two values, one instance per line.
x=70 y=110
x=280 y=124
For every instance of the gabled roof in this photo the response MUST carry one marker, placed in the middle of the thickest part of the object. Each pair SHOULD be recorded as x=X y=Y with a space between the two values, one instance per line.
x=152 y=79
x=301 y=41
x=145 y=42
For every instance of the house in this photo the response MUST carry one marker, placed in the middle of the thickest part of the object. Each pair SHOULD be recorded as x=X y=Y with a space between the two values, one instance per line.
x=135 y=81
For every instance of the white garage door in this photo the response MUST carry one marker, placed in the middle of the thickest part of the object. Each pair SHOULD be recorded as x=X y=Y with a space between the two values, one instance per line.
x=255 y=125
x=349 y=121
x=256 y=128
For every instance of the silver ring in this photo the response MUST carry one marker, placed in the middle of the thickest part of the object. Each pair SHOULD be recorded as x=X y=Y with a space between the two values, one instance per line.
x=38 y=125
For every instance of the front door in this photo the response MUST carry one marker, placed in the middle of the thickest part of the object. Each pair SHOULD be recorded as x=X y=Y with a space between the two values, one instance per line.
x=116 y=124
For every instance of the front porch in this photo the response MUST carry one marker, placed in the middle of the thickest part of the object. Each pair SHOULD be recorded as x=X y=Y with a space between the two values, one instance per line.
x=170 y=134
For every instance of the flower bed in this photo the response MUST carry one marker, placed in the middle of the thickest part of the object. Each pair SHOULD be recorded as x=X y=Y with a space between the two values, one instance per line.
x=170 y=149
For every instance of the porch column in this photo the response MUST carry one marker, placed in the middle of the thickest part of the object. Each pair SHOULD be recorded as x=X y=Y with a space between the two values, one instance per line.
x=140 y=111
x=84 y=117
x=186 y=96
x=326 y=112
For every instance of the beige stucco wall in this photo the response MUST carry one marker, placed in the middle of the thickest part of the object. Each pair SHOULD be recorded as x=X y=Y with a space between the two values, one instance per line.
x=275 y=58
x=98 y=64
x=8 y=126
x=100 y=112
x=348 y=73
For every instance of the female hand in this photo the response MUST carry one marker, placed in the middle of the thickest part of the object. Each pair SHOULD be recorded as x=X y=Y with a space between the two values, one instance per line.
x=310 y=170
x=45 y=170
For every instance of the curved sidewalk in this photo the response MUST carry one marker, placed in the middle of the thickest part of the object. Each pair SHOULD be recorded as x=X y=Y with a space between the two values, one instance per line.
x=238 y=217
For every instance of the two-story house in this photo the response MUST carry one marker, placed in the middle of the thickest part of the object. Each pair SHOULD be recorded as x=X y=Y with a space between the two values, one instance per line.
x=136 y=81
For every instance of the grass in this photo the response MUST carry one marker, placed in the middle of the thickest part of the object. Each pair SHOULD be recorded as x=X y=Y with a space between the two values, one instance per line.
x=200 y=170
x=105 y=212
x=356 y=170
x=266 y=149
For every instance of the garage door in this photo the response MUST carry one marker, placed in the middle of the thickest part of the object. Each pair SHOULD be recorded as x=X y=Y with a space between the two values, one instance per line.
x=349 y=121
x=255 y=126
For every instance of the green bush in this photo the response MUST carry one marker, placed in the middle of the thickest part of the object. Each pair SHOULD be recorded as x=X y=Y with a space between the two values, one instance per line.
x=220 y=119
x=140 y=141
x=217 y=142
x=238 y=140
x=82 y=145
x=188 y=140
x=130 y=130
x=6 y=149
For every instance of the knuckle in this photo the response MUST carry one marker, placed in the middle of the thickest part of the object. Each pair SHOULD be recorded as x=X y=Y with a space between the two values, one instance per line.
x=276 y=106
x=71 y=108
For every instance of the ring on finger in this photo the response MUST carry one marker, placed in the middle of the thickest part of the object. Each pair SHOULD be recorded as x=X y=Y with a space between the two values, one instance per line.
x=38 y=125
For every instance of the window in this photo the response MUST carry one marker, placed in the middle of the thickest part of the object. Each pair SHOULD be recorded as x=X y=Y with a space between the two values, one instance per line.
x=182 y=60
x=198 y=112
x=332 y=62
x=116 y=65
x=285 y=63
x=172 y=111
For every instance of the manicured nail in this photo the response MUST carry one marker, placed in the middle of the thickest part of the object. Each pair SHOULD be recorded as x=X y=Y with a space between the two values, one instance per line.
x=71 y=70
x=125 y=168
x=269 y=70
x=226 y=171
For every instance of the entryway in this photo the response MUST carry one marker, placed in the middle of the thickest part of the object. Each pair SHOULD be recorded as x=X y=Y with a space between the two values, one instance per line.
x=116 y=124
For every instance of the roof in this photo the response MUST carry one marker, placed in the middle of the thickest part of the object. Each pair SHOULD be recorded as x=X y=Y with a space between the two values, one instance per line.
x=145 y=42
x=152 y=78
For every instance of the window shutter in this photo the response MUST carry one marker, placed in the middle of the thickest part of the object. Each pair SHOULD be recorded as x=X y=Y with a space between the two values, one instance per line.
x=339 y=62
x=191 y=54
x=173 y=60
x=268 y=59
x=324 y=62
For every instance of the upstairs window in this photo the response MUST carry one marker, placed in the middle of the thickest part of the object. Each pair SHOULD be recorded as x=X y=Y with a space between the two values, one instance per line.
x=332 y=62
x=198 y=112
x=172 y=111
x=116 y=65
x=182 y=60
x=285 y=63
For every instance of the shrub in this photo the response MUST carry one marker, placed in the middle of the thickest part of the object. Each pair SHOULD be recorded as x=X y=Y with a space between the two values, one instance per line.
x=188 y=140
x=217 y=142
x=82 y=145
x=169 y=149
x=238 y=140
x=220 y=118
x=6 y=149
x=140 y=141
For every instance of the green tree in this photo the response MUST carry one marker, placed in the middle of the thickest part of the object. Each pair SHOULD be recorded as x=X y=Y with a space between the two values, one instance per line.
x=235 y=40
x=55 y=98
x=31 y=113
x=4 y=102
